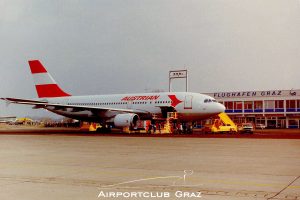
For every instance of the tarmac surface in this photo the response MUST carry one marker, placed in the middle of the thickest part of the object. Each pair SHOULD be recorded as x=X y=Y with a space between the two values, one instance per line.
x=48 y=165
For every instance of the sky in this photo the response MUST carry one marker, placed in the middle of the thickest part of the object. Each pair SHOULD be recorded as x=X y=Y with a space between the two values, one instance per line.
x=129 y=46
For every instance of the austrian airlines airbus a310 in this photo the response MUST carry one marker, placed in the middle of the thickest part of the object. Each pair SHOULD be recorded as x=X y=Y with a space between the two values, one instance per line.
x=122 y=110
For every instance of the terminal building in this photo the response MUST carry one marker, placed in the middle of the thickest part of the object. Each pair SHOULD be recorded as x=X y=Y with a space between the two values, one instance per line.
x=274 y=109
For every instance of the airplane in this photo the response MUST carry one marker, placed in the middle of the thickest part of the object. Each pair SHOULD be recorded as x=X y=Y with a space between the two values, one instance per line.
x=7 y=119
x=120 y=110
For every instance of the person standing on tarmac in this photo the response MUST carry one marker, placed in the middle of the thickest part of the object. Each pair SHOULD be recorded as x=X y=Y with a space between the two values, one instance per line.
x=154 y=128
x=159 y=128
x=149 y=128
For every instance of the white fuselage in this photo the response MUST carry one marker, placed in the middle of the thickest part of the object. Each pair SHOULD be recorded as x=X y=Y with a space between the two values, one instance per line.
x=123 y=110
x=189 y=106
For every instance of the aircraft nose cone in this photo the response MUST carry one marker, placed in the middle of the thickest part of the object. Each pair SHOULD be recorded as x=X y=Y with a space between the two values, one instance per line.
x=221 y=108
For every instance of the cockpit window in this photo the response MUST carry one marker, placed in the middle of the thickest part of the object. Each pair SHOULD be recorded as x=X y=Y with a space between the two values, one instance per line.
x=209 y=100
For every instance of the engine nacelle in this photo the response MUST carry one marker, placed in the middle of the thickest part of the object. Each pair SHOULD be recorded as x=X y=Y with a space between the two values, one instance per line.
x=126 y=120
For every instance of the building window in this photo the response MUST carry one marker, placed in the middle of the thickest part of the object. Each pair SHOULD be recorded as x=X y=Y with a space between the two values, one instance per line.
x=248 y=106
x=269 y=106
x=258 y=105
x=229 y=105
x=238 y=106
x=279 y=106
x=291 y=105
x=261 y=121
x=293 y=123
x=298 y=105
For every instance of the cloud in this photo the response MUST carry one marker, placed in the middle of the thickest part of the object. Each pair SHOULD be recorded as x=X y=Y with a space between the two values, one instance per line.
x=102 y=47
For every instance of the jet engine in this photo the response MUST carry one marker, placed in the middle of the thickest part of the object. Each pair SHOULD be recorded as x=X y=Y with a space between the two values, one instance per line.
x=126 y=120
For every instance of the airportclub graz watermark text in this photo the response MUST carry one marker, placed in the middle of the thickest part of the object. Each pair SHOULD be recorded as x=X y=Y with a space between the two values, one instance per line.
x=145 y=195
x=179 y=181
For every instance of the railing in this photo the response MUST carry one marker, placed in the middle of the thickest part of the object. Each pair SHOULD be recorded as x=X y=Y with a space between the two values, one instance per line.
x=172 y=115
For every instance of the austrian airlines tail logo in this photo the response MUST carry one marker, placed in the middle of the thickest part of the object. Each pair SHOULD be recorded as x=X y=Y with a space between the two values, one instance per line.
x=174 y=100
x=44 y=83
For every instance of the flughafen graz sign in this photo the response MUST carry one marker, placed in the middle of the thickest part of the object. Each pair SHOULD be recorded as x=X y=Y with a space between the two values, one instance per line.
x=269 y=93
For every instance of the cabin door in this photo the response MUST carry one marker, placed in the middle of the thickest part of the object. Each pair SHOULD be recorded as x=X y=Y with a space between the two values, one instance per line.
x=188 y=102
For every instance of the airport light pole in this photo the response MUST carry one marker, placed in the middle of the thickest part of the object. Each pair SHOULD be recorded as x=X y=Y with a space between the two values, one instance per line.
x=175 y=74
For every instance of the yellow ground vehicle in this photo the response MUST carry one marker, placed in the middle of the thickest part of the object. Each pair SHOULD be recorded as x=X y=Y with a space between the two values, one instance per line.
x=23 y=121
x=86 y=126
x=223 y=124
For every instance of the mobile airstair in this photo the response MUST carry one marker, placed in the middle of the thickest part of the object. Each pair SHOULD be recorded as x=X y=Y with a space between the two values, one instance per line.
x=224 y=124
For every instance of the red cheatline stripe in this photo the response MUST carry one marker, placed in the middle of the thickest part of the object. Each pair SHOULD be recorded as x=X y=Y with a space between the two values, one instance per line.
x=50 y=90
x=36 y=67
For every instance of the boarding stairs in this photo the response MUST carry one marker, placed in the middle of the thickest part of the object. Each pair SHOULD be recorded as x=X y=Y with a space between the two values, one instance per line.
x=223 y=124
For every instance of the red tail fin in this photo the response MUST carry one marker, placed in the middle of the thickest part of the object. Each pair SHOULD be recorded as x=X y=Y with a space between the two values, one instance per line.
x=44 y=83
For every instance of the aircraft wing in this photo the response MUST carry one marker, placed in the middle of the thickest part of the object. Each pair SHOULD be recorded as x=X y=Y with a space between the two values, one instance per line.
x=45 y=104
